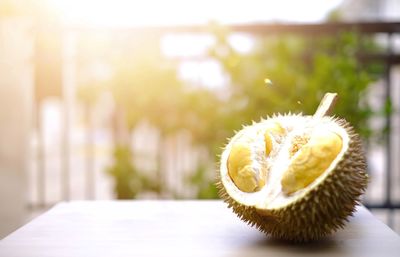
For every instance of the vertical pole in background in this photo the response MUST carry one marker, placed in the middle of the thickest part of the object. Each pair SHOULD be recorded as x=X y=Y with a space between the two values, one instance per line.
x=68 y=90
x=90 y=175
x=388 y=105
x=65 y=176
x=16 y=86
x=64 y=147
x=161 y=163
x=361 y=37
x=47 y=79
x=41 y=168
x=66 y=105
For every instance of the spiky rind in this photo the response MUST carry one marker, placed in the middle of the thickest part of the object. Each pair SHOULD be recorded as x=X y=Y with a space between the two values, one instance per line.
x=323 y=210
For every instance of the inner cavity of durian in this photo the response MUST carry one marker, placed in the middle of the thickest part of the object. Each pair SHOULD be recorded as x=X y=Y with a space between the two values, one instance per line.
x=308 y=154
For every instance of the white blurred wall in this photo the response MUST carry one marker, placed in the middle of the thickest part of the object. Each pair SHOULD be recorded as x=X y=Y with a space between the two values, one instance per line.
x=370 y=10
x=16 y=83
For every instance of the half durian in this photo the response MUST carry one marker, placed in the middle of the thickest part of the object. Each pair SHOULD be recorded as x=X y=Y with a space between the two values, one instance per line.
x=294 y=177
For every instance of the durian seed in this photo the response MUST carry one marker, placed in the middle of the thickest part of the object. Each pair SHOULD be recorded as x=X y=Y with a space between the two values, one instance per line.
x=311 y=161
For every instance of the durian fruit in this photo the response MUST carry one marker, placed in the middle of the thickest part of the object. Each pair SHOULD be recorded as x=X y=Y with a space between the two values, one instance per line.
x=294 y=177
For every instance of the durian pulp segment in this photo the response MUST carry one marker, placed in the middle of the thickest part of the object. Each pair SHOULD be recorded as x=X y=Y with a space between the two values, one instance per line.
x=247 y=175
x=311 y=159
x=271 y=154
x=325 y=127
x=263 y=140
x=249 y=157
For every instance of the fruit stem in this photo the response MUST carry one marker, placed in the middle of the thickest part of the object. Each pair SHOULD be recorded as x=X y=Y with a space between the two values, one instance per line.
x=326 y=105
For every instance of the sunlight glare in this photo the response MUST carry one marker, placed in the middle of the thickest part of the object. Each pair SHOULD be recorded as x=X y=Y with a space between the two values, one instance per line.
x=110 y=13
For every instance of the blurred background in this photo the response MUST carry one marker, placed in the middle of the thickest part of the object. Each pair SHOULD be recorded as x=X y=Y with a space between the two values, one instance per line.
x=134 y=99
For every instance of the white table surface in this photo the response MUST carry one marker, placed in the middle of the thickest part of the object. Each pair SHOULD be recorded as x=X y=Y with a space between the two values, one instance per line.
x=179 y=228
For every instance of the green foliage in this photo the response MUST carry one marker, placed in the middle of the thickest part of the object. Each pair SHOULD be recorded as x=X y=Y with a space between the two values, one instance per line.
x=127 y=179
x=291 y=74
x=129 y=182
x=206 y=188
x=148 y=90
x=301 y=71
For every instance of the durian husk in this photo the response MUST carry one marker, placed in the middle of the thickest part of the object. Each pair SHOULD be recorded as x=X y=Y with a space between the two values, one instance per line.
x=322 y=210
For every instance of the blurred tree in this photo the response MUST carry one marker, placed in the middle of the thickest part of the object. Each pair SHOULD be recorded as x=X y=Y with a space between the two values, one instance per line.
x=128 y=182
x=281 y=74
x=205 y=186
x=290 y=73
x=145 y=87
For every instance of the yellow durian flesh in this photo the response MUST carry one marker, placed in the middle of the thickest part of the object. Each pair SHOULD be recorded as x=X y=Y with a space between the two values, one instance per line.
x=309 y=156
x=311 y=160
x=308 y=187
x=241 y=159
x=241 y=171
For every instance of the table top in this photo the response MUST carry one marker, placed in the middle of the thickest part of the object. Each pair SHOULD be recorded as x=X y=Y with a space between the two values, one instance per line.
x=179 y=228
